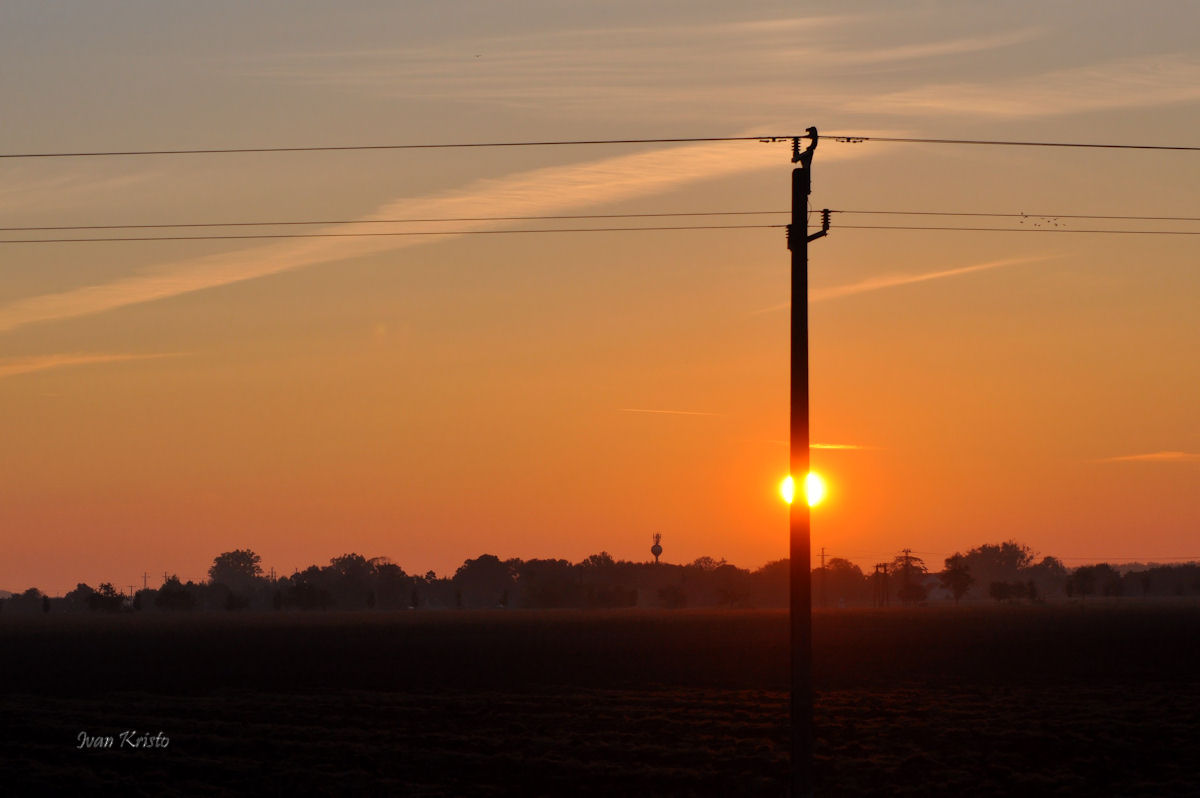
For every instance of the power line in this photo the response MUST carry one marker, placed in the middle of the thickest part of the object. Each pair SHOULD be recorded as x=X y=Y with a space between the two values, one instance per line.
x=252 y=236
x=852 y=139
x=393 y=233
x=1023 y=215
x=431 y=146
x=388 y=221
x=846 y=138
x=583 y=216
x=1093 y=557
x=1014 y=229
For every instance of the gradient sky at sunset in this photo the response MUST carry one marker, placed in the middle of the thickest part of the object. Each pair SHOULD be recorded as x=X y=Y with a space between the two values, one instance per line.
x=431 y=399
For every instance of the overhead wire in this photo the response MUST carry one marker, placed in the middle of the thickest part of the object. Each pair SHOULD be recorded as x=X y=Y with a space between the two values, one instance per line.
x=846 y=138
x=390 y=221
x=1015 y=229
x=585 y=216
x=426 y=146
x=1023 y=215
x=622 y=229
x=391 y=233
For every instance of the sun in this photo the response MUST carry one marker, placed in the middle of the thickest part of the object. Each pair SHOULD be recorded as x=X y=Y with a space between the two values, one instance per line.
x=787 y=489
x=814 y=489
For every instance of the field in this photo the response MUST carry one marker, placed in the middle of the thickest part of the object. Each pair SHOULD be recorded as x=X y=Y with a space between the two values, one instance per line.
x=1094 y=700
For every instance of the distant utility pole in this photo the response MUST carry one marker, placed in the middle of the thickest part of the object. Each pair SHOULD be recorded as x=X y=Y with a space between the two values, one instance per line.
x=800 y=599
x=881 y=584
x=824 y=581
x=145 y=576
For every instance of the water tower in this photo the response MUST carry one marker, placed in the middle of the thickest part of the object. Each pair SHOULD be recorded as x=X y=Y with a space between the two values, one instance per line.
x=656 y=549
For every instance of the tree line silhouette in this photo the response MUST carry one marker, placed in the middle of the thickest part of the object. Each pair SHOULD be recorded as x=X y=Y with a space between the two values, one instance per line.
x=1004 y=572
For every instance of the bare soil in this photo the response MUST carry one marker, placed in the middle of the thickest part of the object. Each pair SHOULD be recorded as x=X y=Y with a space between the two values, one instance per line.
x=1068 y=700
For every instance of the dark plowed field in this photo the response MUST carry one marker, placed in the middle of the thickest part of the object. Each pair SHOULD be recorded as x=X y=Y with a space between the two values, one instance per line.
x=995 y=701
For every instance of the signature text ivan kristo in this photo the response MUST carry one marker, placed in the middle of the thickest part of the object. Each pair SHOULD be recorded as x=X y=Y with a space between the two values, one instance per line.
x=126 y=739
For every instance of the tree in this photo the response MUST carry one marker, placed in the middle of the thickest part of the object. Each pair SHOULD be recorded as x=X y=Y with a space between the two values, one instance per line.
x=483 y=580
x=174 y=596
x=1108 y=580
x=1049 y=575
x=106 y=599
x=238 y=569
x=1082 y=581
x=910 y=573
x=547 y=584
x=1000 y=591
x=349 y=578
x=77 y=599
x=600 y=561
x=353 y=567
x=30 y=600
x=956 y=577
x=998 y=562
x=841 y=581
x=770 y=584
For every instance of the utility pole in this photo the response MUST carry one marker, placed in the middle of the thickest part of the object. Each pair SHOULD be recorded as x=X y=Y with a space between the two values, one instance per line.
x=824 y=581
x=800 y=553
x=881 y=585
x=145 y=576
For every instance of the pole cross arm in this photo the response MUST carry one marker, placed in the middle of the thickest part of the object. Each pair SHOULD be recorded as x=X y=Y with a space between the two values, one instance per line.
x=804 y=158
x=825 y=212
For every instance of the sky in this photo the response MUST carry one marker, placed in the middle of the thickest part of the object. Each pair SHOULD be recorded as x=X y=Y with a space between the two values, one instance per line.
x=434 y=398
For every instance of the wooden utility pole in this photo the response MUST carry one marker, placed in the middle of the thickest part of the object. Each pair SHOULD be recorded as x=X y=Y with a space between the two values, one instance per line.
x=824 y=581
x=800 y=552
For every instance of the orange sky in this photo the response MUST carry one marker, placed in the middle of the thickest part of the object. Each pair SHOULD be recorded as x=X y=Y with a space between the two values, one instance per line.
x=432 y=399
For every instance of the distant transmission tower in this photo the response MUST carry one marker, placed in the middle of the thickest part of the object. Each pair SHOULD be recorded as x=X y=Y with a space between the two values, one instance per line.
x=656 y=549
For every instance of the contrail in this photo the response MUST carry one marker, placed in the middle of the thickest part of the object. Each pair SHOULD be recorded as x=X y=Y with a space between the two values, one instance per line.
x=893 y=280
x=546 y=190
x=666 y=412
x=1153 y=457
x=11 y=367
x=839 y=446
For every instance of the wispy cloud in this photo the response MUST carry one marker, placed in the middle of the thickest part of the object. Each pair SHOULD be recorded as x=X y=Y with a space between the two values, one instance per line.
x=539 y=191
x=933 y=49
x=850 y=446
x=27 y=189
x=11 y=367
x=647 y=71
x=597 y=68
x=895 y=280
x=1154 y=457
x=835 y=446
x=1129 y=83
x=666 y=412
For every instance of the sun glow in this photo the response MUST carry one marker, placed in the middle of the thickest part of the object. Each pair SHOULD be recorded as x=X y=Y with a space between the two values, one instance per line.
x=814 y=489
